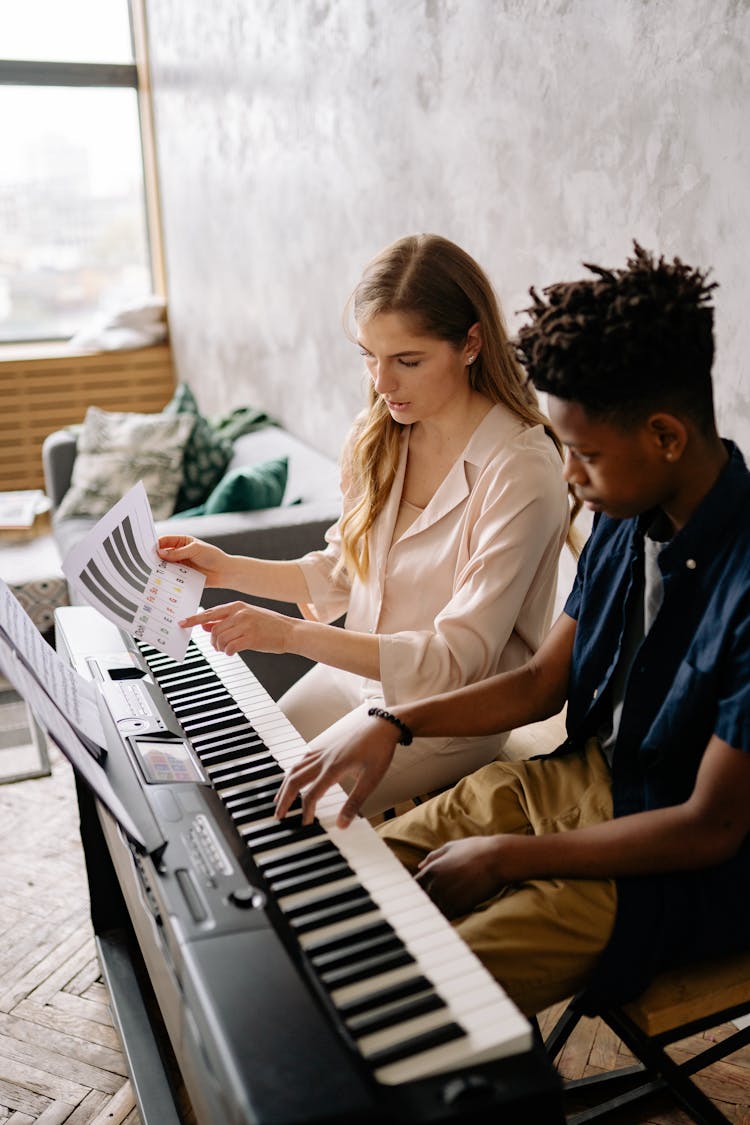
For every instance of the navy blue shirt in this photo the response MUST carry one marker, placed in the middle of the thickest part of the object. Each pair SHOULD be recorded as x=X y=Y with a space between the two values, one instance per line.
x=689 y=680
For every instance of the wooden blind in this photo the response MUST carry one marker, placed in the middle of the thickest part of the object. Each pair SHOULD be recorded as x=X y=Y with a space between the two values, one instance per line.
x=40 y=395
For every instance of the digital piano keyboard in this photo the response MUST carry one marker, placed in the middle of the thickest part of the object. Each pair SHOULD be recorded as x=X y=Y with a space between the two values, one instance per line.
x=300 y=973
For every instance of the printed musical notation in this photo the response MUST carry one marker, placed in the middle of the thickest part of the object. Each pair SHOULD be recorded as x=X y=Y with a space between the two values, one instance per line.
x=117 y=570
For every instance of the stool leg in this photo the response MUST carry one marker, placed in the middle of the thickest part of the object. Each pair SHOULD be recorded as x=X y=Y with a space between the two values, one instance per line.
x=562 y=1030
x=657 y=1061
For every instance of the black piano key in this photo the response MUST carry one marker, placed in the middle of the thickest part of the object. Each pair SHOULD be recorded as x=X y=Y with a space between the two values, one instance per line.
x=188 y=692
x=275 y=837
x=180 y=676
x=379 y=997
x=398 y=1013
x=218 y=742
x=195 y=704
x=358 y=952
x=308 y=920
x=248 y=765
x=253 y=813
x=366 y=968
x=218 y=738
x=170 y=680
x=165 y=671
x=360 y=933
x=330 y=902
x=166 y=665
x=291 y=825
x=212 y=718
x=274 y=869
x=256 y=766
x=231 y=777
x=230 y=720
x=307 y=880
x=238 y=748
x=202 y=733
x=251 y=786
x=415 y=1045
x=163 y=661
x=239 y=741
x=164 y=658
x=256 y=795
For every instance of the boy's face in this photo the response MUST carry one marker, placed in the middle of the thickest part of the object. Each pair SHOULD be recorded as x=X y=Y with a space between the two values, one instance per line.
x=621 y=472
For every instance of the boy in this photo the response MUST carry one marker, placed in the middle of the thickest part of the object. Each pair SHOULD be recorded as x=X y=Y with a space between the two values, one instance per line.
x=627 y=848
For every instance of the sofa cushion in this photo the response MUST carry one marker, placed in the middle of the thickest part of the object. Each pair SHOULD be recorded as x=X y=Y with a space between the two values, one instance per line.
x=246 y=488
x=115 y=451
x=207 y=452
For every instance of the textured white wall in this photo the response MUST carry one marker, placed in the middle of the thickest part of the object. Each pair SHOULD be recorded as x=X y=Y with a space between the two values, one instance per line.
x=297 y=137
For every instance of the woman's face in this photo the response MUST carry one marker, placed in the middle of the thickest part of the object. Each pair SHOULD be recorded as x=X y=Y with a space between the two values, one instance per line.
x=419 y=377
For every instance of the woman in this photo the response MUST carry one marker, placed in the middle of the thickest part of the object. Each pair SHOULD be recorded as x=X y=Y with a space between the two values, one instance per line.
x=454 y=513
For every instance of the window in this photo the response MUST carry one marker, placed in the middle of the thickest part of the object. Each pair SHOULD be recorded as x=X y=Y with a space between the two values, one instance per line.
x=72 y=204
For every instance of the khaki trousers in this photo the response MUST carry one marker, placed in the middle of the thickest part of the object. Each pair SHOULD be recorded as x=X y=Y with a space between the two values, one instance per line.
x=540 y=939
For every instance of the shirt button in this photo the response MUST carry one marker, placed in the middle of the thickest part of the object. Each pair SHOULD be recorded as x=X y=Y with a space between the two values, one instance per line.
x=691 y=564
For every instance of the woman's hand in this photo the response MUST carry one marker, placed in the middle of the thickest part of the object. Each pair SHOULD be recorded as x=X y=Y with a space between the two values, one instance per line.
x=462 y=873
x=236 y=626
x=204 y=557
x=353 y=750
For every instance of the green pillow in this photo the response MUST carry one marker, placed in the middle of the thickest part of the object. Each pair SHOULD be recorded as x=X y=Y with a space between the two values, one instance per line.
x=206 y=456
x=245 y=489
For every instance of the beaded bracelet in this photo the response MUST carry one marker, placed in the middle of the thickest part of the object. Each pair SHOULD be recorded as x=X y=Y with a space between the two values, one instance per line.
x=406 y=735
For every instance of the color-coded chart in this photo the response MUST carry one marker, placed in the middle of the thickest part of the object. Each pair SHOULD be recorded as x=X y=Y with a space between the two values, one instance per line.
x=117 y=570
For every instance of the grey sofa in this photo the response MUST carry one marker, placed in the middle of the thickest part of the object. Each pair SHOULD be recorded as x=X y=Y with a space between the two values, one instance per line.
x=311 y=504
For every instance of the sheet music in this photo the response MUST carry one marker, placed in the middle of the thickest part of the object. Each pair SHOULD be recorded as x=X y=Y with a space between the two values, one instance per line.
x=74 y=696
x=63 y=735
x=117 y=570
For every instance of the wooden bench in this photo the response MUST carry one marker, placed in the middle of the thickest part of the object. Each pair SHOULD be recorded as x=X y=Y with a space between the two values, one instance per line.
x=677 y=1004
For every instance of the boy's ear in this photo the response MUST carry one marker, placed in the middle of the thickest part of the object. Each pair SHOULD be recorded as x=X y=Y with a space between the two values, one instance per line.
x=669 y=434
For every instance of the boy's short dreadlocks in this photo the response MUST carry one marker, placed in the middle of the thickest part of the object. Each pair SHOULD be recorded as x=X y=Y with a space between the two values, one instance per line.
x=627 y=342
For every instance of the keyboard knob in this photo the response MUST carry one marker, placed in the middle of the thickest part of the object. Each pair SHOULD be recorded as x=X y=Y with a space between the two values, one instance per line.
x=248 y=898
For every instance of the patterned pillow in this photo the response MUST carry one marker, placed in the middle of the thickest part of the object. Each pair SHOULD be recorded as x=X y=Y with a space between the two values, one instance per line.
x=115 y=451
x=207 y=453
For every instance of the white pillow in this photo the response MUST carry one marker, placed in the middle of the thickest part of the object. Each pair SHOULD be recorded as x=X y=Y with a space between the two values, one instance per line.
x=116 y=450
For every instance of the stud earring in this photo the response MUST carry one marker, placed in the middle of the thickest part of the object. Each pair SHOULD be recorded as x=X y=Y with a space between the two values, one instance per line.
x=470 y=358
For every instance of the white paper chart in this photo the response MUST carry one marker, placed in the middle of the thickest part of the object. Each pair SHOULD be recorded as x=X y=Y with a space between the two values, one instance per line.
x=117 y=570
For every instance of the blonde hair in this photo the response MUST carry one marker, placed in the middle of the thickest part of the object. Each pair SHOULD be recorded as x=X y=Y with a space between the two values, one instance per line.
x=444 y=292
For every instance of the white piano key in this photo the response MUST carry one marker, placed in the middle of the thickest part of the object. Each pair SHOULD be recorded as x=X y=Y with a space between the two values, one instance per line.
x=379 y=1040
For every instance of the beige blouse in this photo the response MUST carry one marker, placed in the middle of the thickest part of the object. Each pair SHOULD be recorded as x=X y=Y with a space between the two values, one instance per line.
x=467 y=589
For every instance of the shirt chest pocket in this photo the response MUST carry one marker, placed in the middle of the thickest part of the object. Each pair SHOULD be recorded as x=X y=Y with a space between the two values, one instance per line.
x=685 y=720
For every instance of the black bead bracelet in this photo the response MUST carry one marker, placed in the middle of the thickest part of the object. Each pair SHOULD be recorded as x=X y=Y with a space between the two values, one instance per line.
x=406 y=735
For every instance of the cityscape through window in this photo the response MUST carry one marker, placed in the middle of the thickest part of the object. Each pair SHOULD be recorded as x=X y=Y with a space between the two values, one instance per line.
x=73 y=229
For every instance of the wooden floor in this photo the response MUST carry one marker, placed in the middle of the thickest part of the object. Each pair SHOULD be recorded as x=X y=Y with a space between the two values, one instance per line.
x=60 y=1057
